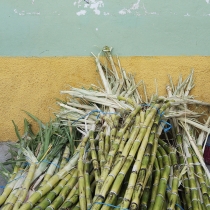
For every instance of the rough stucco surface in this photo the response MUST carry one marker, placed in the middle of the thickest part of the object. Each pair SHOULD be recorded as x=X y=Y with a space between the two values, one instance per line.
x=32 y=84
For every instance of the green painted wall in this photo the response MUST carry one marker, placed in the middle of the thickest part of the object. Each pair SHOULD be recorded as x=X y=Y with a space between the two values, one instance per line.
x=135 y=27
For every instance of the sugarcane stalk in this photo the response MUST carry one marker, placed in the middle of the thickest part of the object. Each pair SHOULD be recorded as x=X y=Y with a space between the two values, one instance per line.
x=200 y=179
x=51 y=183
x=76 y=207
x=111 y=199
x=73 y=196
x=124 y=140
x=25 y=187
x=94 y=157
x=174 y=191
x=65 y=157
x=120 y=197
x=175 y=180
x=155 y=184
x=87 y=184
x=64 y=192
x=160 y=198
x=187 y=191
x=129 y=160
x=146 y=195
x=144 y=150
x=114 y=127
x=68 y=202
x=111 y=154
x=160 y=161
x=50 y=170
x=73 y=200
x=143 y=174
x=82 y=194
x=10 y=205
x=153 y=152
x=120 y=133
x=107 y=142
x=101 y=154
x=52 y=194
x=192 y=178
x=9 y=187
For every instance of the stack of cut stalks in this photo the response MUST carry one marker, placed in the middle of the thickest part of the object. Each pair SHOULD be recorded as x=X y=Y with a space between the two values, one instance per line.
x=112 y=148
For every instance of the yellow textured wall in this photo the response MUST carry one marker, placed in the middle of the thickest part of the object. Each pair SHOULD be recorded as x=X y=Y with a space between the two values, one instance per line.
x=32 y=84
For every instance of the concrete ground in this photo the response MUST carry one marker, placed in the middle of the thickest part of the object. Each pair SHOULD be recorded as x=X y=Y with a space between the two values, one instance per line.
x=4 y=156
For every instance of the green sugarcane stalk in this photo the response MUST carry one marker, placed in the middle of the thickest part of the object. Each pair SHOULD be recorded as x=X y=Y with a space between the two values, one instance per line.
x=65 y=157
x=148 y=167
x=187 y=191
x=68 y=202
x=158 y=132
x=134 y=134
x=10 y=205
x=115 y=145
x=113 y=196
x=73 y=200
x=76 y=207
x=73 y=196
x=185 y=181
x=175 y=181
x=142 y=174
x=200 y=177
x=25 y=187
x=111 y=199
x=160 y=161
x=111 y=178
x=114 y=128
x=9 y=187
x=51 y=183
x=155 y=184
x=144 y=150
x=180 y=150
x=153 y=153
x=129 y=143
x=50 y=171
x=160 y=198
x=87 y=184
x=146 y=195
x=200 y=198
x=123 y=142
x=94 y=157
x=11 y=199
x=101 y=155
x=139 y=183
x=64 y=192
x=52 y=194
x=107 y=142
x=123 y=188
x=174 y=191
x=191 y=177
x=82 y=194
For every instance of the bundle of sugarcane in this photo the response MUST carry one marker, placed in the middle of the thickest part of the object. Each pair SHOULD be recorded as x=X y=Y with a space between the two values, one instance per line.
x=35 y=158
x=133 y=154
